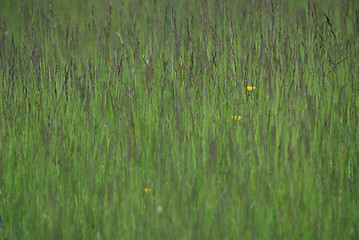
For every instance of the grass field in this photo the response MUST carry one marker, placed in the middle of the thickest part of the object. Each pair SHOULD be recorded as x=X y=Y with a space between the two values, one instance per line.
x=133 y=120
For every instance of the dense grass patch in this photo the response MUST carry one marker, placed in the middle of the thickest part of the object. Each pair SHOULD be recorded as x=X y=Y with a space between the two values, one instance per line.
x=120 y=120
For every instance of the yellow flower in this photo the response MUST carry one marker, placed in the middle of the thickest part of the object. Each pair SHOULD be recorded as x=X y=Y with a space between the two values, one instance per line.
x=236 y=118
x=147 y=190
x=250 y=88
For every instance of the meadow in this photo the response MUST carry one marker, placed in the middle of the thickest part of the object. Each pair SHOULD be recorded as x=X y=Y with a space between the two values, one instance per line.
x=179 y=119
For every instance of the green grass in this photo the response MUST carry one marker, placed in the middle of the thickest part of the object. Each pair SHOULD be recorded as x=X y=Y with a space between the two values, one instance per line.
x=101 y=100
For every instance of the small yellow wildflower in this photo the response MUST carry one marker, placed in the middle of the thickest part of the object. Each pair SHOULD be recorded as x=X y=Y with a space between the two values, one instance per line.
x=236 y=118
x=250 y=88
x=147 y=190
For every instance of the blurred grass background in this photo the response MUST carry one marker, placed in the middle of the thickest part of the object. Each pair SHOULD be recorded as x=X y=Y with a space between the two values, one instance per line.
x=100 y=100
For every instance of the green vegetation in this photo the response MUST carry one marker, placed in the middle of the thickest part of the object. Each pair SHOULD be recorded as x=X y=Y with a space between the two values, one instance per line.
x=120 y=120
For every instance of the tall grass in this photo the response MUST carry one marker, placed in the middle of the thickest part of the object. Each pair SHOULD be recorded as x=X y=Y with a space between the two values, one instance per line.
x=100 y=100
